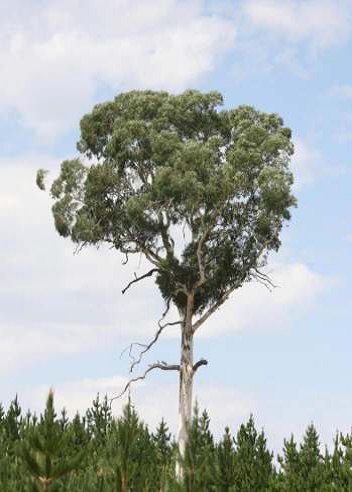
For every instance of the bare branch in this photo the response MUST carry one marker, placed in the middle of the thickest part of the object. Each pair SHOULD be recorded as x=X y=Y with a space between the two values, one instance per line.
x=159 y=365
x=149 y=345
x=197 y=365
x=264 y=279
x=137 y=279
x=79 y=247
x=129 y=348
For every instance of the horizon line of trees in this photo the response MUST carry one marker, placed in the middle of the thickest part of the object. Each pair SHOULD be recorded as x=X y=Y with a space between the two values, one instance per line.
x=100 y=452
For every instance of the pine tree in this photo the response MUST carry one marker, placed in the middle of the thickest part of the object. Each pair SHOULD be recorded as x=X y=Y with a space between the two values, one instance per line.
x=253 y=461
x=99 y=418
x=164 y=452
x=198 y=460
x=290 y=466
x=128 y=452
x=13 y=419
x=225 y=470
x=339 y=465
x=312 y=468
x=304 y=470
x=42 y=451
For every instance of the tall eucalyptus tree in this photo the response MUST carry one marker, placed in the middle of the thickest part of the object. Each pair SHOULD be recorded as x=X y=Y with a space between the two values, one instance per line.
x=152 y=163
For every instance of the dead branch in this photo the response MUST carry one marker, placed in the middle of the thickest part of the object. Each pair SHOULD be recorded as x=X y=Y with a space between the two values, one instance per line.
x=159 y=365
x=137 y=279
x=148 y=346
x=264 y=279
x=197 y=365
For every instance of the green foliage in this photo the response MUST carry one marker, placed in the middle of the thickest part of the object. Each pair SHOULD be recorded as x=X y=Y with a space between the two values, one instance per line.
x=152 y=160
x=225 y=464
x=43 y=450
x=198 y=461
x=303 y=469
x=253 y=461
x=100 y=453
x=41 y=173
x=129 y=453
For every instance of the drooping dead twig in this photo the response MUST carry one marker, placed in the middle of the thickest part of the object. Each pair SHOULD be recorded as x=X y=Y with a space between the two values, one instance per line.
x=264 y=279
x=150 y=344
x=146 y=347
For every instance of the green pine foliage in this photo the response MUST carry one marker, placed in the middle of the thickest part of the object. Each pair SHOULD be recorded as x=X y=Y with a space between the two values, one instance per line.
x=198 y=462
x=45 y=452
x=97 y=452
x=253 y=461
x=225 y=463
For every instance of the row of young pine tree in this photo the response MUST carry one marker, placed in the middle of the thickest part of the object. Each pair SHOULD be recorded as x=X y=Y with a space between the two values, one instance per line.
x=99 y=453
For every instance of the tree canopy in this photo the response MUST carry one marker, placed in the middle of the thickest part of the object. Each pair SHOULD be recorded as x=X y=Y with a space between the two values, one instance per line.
x=153 y=164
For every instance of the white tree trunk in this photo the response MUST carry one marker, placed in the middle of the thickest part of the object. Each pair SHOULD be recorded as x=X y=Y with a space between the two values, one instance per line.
x=186 y=386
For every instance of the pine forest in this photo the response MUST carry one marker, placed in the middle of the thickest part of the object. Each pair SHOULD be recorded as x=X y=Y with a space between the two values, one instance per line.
x=98 y=452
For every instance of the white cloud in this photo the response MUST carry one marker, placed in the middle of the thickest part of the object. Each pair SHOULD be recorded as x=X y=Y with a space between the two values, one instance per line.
x=51 y=301
x=56 y=57
x=73 y=304
x=306 y=165
x=321 y=23
x=255 y=309
x=78 y=396
x=288 y=34
x=309 y=165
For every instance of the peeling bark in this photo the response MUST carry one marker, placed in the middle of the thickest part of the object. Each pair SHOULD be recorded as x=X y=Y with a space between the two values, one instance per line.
x=186 y=378
x=185 y=390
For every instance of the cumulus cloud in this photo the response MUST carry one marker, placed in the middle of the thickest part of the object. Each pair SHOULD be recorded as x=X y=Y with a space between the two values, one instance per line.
x=254 y=309
x=78 y=396
x=73 y=303
x=307 y=164
x=61 y=53
x=288 y=33
x=321 y=23
x=53 y=302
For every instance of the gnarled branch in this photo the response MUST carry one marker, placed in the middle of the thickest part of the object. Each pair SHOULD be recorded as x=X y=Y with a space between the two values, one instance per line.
x=137 y=279
x=148 y=346
x=159 y=365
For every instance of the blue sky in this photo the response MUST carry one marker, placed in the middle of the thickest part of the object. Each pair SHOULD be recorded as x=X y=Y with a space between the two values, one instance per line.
x=283 y=356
